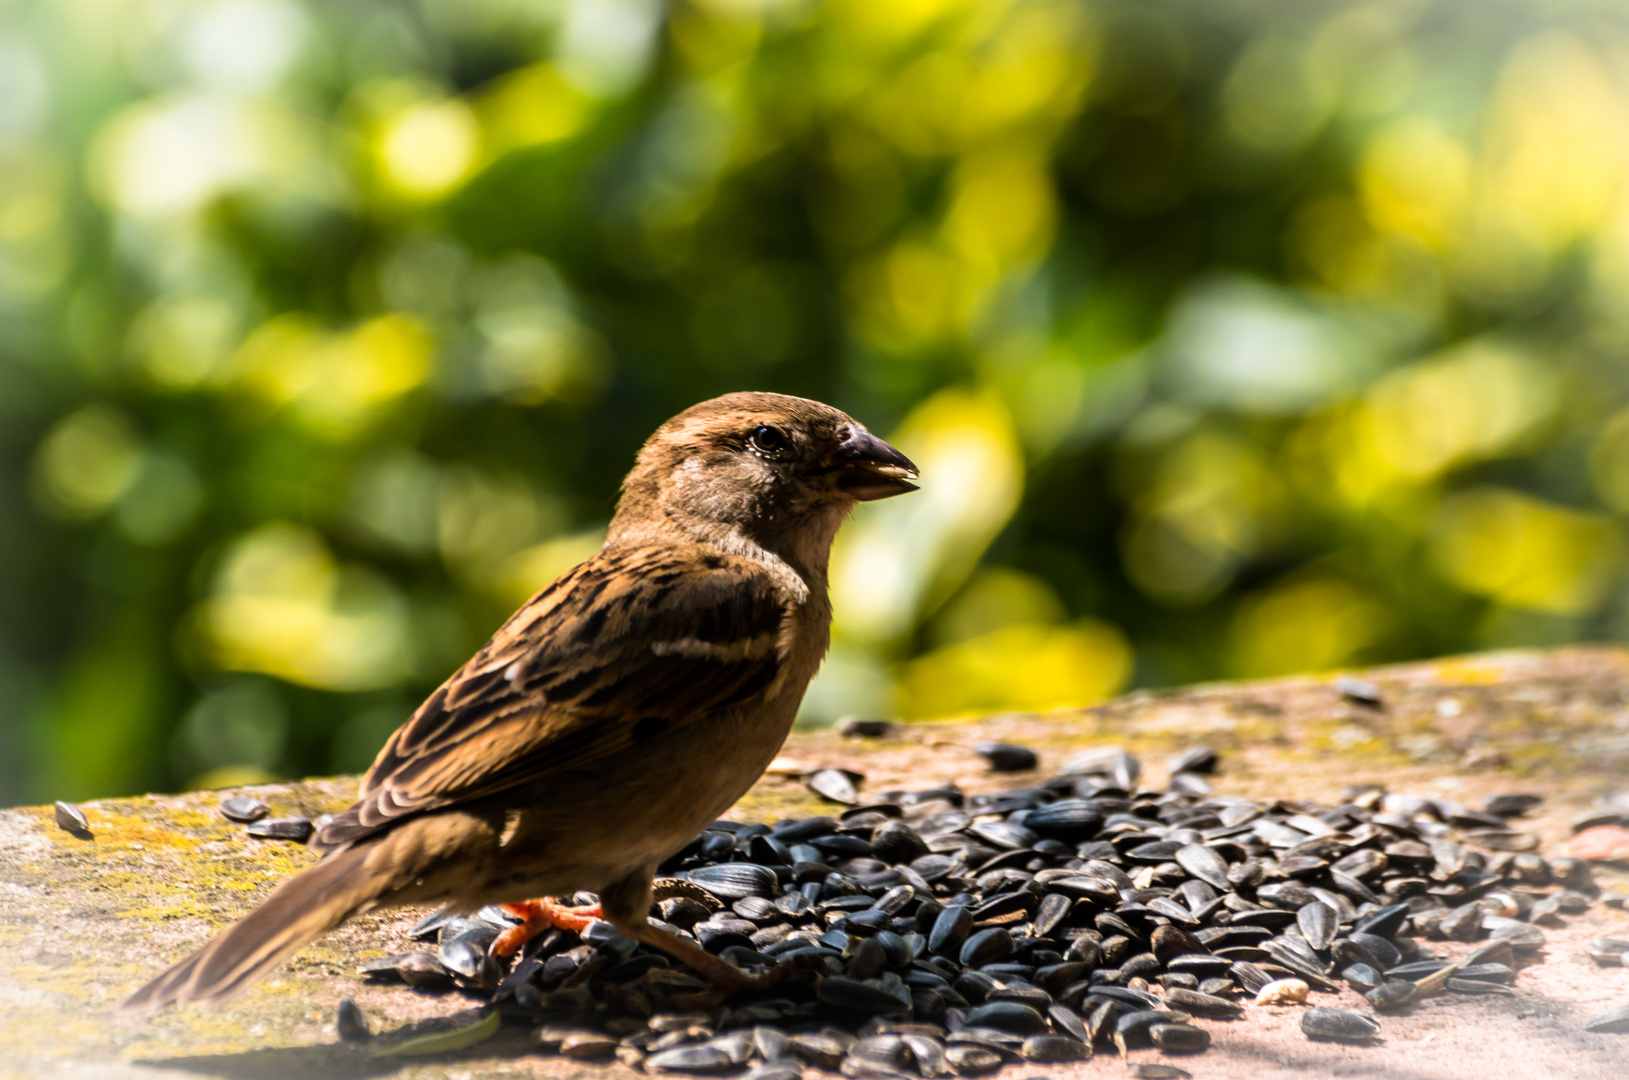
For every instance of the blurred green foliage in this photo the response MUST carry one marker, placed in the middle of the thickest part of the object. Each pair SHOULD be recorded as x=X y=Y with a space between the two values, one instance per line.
x=1234 y=338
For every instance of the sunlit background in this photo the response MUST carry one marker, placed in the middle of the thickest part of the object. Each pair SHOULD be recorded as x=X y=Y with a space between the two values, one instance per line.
x=1233 y=339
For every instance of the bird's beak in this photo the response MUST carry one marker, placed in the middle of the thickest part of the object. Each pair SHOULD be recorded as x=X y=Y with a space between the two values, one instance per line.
x=868 y=468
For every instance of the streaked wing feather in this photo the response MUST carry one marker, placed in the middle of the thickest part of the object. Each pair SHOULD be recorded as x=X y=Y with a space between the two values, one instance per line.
x=626 y=646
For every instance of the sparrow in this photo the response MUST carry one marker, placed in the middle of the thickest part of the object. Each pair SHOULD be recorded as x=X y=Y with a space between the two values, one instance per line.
x=619 y=712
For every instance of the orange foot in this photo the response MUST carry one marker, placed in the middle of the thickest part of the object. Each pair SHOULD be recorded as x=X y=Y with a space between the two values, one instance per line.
x=538 y=916
x=1605 y=843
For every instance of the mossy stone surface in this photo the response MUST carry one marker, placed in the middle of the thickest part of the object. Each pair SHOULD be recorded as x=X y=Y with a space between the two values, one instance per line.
x=85 y=921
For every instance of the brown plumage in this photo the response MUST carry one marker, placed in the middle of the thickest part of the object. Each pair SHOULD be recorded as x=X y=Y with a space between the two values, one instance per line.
x=617 y=713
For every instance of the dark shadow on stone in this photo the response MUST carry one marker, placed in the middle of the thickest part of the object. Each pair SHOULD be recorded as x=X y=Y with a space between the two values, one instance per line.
x=328 y=1062
x=345 y=1061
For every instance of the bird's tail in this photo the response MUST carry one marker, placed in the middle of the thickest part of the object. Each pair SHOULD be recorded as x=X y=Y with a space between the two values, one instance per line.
x=298 y=911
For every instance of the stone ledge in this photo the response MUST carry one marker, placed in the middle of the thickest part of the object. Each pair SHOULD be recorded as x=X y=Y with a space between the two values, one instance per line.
x=85 y=921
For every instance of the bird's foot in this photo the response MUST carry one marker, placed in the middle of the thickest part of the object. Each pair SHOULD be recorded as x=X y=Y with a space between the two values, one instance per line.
x=538 y=916
x=726 y=978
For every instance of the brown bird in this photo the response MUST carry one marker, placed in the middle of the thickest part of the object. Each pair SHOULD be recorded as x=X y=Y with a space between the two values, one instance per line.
x=614 y=716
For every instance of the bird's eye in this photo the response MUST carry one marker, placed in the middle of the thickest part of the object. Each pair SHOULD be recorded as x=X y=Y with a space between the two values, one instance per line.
x=768 y=441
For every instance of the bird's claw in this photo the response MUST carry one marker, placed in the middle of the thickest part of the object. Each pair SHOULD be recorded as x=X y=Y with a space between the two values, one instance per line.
x=537 y=916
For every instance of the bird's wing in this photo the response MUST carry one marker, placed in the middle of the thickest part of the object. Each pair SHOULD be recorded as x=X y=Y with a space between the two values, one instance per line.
x=625 y=647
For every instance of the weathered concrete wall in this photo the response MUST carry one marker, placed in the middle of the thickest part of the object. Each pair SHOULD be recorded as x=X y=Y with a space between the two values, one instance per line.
x=82 y=922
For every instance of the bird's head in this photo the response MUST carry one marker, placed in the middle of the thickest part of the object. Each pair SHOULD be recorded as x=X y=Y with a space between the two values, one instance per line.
x=781 y=471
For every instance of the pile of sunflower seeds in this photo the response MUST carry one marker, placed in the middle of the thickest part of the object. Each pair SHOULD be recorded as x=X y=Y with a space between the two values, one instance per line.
x=930 y=933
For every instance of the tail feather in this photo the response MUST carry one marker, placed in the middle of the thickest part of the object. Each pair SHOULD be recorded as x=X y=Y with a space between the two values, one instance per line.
x=297 y=912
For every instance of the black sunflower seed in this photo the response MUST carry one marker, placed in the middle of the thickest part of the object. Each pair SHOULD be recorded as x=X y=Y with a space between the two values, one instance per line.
x=297 y=829
x=928 y=1054
x=854 y=728
x=350 y=1023
x=1005 y=757
x=819 y=1049
x=1054 y=1048
x=1203 y=863
x=985 y=947
x=837 y=785
x=950 y=929
x=1338 y=1025
x=734 y=881
x=1319 y=924
x=897 y=842
x=1377 y=947
x=690 y=1059
x=1007 y=1016
x=864 y=997
x=930 y=932
x=1172 y=941
x=1613 y=1022
x=71 y=819
x=1358 y=691
x=1070 y=820
x=1386 y=922
x=1199 y=1004
x=416 y=969
x=1179 y=1038
x=969 y=1060
x=1195 y=759
x=1394 y=995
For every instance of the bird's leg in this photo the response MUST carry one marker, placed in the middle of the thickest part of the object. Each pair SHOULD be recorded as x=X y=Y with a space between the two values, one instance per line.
x=721 y=973
x=541 y=915
x=626 y=904
x=726 y=978
x=538 y=916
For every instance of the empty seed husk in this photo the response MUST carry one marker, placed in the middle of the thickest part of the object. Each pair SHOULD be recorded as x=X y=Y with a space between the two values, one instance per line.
x=243 y=809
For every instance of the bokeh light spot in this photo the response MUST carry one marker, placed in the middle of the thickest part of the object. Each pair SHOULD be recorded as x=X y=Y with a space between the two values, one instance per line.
x=1525 y=552
x=283 y=606
x=429 y=147
x=87 y=461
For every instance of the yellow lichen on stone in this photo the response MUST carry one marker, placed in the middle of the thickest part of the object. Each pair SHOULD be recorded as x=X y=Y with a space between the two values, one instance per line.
x=771 y=802
x=1468 y=671
x=88 y=921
